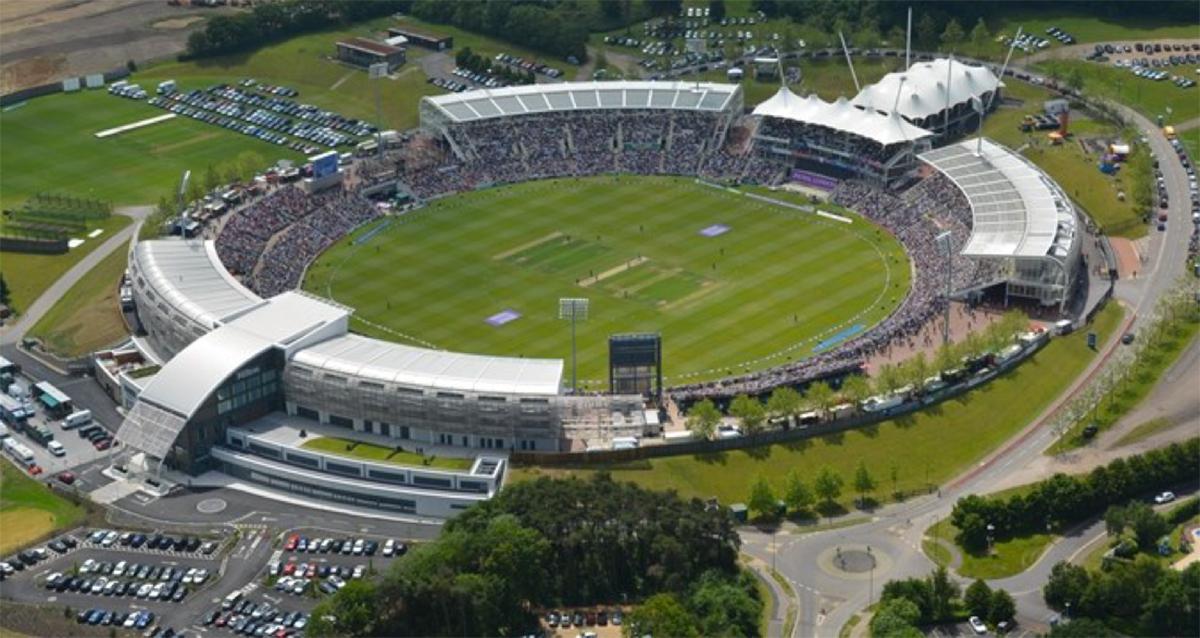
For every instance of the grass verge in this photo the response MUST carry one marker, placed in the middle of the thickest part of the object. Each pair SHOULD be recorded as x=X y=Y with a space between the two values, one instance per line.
x=1158 y=355
x=1144 y=431
x=28 y=276
x=88 y=317
x=1009 y=557
x=370 y=452
x=939 y=443
x=30 y=510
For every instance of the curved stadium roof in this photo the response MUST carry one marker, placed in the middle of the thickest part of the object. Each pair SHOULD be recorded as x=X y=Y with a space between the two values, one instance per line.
x=923 y=88
x=483 y=104
x=1016 y=210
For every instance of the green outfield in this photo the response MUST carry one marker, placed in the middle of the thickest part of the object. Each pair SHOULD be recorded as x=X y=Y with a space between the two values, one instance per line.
x=50 y=146
x=772 y=287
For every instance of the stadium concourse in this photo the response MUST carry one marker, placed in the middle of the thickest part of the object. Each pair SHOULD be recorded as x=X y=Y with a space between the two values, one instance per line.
x=238 y=346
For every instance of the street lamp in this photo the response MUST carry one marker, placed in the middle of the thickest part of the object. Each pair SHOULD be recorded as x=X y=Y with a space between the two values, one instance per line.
x=871 y=586
x=375 y=72
x=991 y=531
x=573 y=309
x=947 y=246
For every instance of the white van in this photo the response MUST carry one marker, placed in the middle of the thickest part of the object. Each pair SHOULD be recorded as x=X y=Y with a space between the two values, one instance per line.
x=624 y=443
x=3 y=431
x=56 y=448
x=232 y=599
x=76 y=419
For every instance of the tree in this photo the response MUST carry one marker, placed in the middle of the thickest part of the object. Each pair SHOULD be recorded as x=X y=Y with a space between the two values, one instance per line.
x=978 y=598
x=926 y=30
x=660 y=615
x=763 y=501
x=864 y=483
x=855 y=389
x=1066 y=585
x=716 y=10
x=820 y=396
x=784 y=402
x=953 y=35
x=896 y=618
x=749 y=412
x=212 y=179
x=702 y=419
x=5 y=293
x=827 y=485
x=980 y=36
x=942 y=592
x=945 y=358
x=888 y=378
x=1002 y=609
x=1146 y=524
x=797 y=496
x=1081 y=628
x=351 y=612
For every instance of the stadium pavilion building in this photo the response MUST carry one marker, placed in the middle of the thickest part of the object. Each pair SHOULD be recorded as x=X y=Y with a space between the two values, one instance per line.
x=809 y=133
x=446 y=115
x=1023 y=226
x=243 y=374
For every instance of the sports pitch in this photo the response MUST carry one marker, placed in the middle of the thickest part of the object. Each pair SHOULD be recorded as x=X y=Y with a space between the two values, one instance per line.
x=482 y=272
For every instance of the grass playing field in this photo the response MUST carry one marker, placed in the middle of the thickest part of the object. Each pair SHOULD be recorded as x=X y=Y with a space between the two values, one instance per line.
x=769 y=289
x=50 y=146
x=369 y=452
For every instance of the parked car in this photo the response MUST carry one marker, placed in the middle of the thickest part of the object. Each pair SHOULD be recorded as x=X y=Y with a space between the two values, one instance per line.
x=1165 y=497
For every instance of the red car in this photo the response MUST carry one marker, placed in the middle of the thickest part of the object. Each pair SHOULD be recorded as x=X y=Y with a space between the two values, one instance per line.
x=66 y=477
x=289 y=568
x=312 y=570
x=103 y=444
x=35 y=469
x=290 y=545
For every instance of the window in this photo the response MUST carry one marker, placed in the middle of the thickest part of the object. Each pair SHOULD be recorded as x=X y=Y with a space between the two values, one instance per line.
x=371 y=384
x=340 y=421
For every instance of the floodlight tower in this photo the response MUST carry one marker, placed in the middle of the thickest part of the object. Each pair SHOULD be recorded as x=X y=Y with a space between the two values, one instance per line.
x=183 y=184
x=573 y=309
x=943 y=240
x=377 y=72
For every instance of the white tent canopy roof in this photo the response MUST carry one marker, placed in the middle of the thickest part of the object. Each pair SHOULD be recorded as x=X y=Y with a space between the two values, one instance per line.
x=1016 y=210
x=923 y=88
x=483 y=104
x=840 y=116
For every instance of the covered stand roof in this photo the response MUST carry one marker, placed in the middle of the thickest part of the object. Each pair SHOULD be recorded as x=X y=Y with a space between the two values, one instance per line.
x=840 y=116
x=483 y=104
x=388 y=362
x=188 y=276
x=923 y=89
x=1016 y=210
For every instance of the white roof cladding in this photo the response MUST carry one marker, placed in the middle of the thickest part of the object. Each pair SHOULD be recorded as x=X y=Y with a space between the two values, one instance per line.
x=923 y=89
x=840 y=116
x=483 y=104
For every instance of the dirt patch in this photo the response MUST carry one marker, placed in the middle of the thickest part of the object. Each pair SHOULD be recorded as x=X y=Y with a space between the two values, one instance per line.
x=23 y=525
x=32 y=72
x=171 y=24
x=527 y=245
x=612 y=272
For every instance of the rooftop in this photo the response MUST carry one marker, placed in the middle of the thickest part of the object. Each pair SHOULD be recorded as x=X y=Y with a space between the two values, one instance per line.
x=1016 y=210
x=484 y=104
x=840 y=116
x=189 y=277
x=922 y=88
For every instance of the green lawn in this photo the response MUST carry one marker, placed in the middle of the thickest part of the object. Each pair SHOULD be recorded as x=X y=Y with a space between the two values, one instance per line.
x=1152 y=98
x=1009 y=557
x=1140 y=380
x=50 y=146
x=88 y=317
x=28 y=275
x=29 y=510
x=748 y=299
x=937 y=444
x=1076 y=171
x=370 y=452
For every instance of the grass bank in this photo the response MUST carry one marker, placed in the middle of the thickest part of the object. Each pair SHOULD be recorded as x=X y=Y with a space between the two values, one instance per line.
x=1144 y=431
x=28 y=276
x=938 y=443
x=88 y=317
x=29 y=510
x=1158 y=355
x=370 y=452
